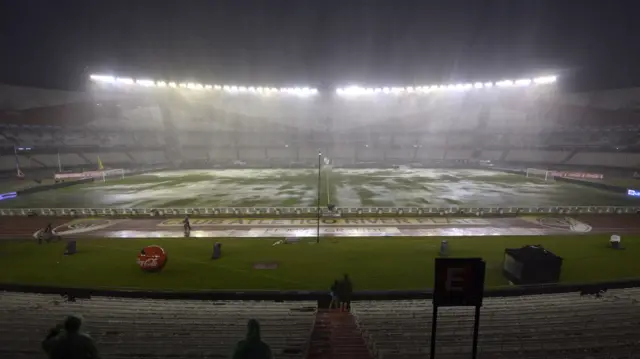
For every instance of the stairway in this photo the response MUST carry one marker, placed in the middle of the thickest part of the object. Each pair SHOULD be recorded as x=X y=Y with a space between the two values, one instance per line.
x=336 y=336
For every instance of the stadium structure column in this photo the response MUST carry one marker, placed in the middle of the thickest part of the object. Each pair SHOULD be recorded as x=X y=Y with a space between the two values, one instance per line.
x=318 y=203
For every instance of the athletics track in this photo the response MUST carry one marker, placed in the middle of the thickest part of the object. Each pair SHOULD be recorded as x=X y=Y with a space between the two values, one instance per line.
x=25 y=227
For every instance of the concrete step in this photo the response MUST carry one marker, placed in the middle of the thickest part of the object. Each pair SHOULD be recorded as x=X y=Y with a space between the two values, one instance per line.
x=336 y=336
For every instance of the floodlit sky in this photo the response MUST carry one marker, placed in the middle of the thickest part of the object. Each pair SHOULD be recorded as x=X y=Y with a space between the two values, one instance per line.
x=320 y=43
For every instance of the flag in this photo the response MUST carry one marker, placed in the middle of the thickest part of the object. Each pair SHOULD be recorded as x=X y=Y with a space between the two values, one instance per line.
x=100 y=166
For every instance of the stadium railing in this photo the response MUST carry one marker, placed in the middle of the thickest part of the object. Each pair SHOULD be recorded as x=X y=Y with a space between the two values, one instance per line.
x=292 y=295
x=288 y=212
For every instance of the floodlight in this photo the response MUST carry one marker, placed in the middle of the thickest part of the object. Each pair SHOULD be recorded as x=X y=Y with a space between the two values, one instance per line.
x=314 y=91
x=339 y=91
x=208 y=87
x=386 y=90
x=161 y=84
x=523 y=82
x=183 y=85
x=504 y=83
x=252 y=89
x=377 y=90
x=488 y=84
x=545 y=80
x=217 y=87
x=173 y=84
x=102 y=78
x=145 y=82
x=410 y=89
x=234 y=88
x=242 y=89
x=478 y=85
x=125 y=80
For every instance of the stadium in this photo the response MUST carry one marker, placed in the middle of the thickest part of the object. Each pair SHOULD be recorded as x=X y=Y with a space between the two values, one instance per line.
x=319 y=181
x=365 y=181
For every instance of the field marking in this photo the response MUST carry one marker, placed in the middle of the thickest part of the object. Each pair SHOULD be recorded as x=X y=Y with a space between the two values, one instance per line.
x=338 y=231
x=340 y=222
x=560 y=223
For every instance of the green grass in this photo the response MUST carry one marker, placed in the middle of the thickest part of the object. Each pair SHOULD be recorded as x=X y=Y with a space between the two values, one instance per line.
x=374 y=263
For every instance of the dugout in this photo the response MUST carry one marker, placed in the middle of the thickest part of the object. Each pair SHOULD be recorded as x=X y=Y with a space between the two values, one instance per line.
x=531 y=265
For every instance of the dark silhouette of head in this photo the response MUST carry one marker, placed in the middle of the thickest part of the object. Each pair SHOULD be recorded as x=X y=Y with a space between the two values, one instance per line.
x=73 y=323
x=253 y=330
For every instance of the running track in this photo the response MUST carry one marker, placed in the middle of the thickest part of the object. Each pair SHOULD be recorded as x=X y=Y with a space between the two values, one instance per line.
x=25 y=227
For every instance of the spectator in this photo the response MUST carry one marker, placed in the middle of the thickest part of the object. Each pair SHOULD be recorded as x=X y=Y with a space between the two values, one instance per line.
x=252 y=347
x=68 y=342
x=47 y=234
x=334 y=295
x=346 y=291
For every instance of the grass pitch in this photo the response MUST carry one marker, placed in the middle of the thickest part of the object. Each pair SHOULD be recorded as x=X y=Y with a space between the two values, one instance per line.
x=373 y=263
x=342 y=187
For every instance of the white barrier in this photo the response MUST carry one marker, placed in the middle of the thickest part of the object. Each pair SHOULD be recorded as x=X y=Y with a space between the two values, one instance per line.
x=307 y=211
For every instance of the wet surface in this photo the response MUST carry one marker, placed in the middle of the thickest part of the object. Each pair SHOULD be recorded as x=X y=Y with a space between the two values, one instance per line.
x=23 y=227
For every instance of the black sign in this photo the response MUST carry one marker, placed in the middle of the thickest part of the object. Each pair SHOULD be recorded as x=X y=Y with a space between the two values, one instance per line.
x=459 y=282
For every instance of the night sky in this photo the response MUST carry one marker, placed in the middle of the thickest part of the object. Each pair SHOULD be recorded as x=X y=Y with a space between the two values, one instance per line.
x=322 y=43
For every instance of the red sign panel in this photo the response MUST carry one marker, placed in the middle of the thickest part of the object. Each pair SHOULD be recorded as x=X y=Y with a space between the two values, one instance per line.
x=578 y=175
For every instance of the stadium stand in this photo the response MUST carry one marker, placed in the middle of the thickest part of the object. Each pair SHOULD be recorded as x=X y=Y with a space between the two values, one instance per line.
x=73 y=138
x=113 y=159
x=539 y=156
x=224 y=154
x=430 y=153
x=400 y=154
x=281 y=154
x=252 y=154
x=491 y=155
x=542 y=326
x=458 y=154
x=130 y=328
x=369 y=154
x=149 y=157
x=66 y=159
x=612 y=159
